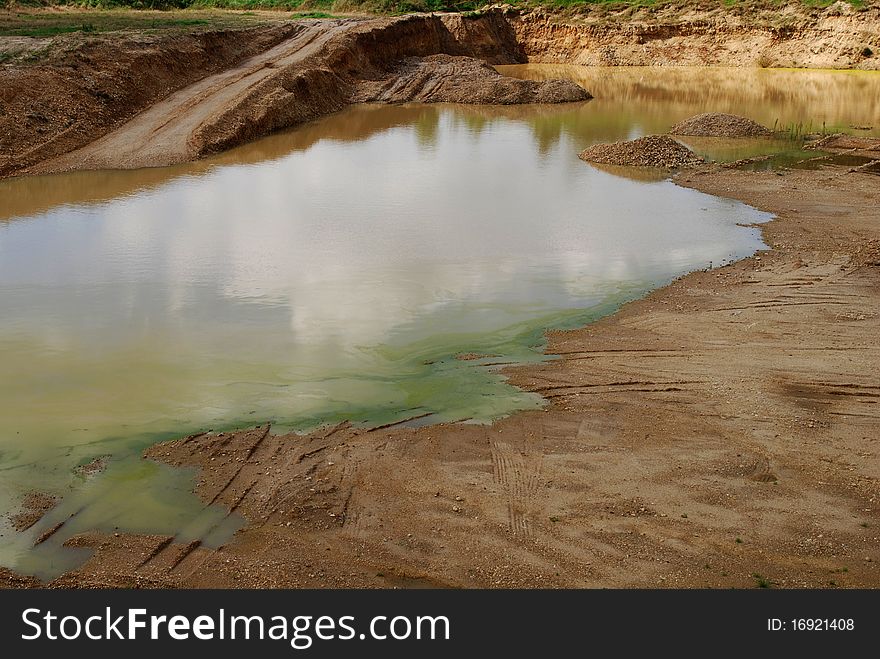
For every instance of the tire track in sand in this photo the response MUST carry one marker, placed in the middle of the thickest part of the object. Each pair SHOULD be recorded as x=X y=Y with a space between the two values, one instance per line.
x=160 y=135
x=518 y=473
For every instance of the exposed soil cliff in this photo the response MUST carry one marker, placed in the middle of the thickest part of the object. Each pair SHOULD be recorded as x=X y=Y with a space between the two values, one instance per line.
x=839 y=36
x=87 y=88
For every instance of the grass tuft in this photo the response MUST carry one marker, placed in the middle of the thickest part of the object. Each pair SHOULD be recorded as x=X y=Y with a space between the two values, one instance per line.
x=761 y=582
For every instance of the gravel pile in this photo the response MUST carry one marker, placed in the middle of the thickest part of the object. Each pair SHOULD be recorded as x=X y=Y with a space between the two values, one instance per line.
x=718 y=124
x=649 y=151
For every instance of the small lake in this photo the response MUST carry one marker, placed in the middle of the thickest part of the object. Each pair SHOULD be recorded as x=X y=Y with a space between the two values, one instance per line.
x=334 y=272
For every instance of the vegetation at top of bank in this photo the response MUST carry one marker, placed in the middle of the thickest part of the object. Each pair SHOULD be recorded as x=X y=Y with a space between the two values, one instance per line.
x=24 y=18
x=53 y=23
x=326 y=8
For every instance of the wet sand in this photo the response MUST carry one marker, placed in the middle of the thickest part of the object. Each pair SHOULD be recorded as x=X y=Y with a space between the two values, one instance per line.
x=720 y=432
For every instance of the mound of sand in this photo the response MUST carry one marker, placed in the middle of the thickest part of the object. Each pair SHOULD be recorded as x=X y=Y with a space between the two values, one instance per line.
x=718 y=124
x=649 y=151
x=456 y=79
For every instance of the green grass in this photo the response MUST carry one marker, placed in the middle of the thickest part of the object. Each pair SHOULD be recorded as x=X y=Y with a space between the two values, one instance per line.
x=87 y=28
x=87 y=16
x=762 y=582
x=49 y=24
x=403 y=6
x=47 y=31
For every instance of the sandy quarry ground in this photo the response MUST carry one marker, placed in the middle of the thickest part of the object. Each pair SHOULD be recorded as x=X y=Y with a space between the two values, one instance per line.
x=721 y=432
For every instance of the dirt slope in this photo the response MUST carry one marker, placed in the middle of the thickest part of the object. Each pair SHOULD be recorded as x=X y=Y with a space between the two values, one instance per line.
x=161 y=134
x=356 y=60
x=86 y=88
x=319 y=69
x=724 y=427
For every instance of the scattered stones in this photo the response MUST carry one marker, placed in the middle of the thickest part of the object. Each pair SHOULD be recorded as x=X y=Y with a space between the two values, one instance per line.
x=92 y=468
x=719 y=124
x=33 y=507
x=471 y=356
x=650 y=151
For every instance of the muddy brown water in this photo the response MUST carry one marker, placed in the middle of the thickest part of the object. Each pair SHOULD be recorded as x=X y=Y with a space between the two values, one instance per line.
x=335 y=271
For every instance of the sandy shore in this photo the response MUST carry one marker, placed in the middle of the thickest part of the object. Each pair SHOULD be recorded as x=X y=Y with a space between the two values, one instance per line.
x=721 y=432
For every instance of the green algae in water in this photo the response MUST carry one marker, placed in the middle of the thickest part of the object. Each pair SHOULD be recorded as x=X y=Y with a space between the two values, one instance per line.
x=139 y=496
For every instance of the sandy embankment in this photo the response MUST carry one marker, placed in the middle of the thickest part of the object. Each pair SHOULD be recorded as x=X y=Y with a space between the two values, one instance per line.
x=724 y=427
x=300 y=71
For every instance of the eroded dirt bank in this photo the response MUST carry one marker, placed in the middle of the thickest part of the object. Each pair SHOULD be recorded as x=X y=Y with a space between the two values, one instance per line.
x=311 y=69
x=764 y=34
x=720 y=432
x=87 y=87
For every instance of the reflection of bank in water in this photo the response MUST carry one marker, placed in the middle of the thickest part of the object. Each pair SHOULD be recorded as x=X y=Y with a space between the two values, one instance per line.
x=655 y=98
x=640 y=174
